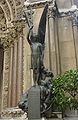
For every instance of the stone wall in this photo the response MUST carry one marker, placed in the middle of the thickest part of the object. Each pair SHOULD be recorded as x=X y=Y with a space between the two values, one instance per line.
x=27 y=79
x=61 y=48
x=60 y=54
x=5 y=78
x=64 y=3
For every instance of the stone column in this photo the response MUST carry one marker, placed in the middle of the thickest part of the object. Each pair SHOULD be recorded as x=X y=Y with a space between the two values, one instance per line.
x=27 y=72
x=6 y=41
x=66 y=44
x=75 y=38
x=12 y=37
x=10 y=77
x=5 y=79
x=14 y=79
x=47 y=50
x=20 y=68
x=52 y=55
x=6 y=98
x=1 y=72
x=19 y=83
x=49 y=44
x=57 y=50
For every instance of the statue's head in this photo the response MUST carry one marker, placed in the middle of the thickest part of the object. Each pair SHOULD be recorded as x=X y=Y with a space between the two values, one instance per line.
x=35 y=37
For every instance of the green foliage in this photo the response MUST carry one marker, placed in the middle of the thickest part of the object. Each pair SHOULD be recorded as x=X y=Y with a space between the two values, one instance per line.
x=65 y=90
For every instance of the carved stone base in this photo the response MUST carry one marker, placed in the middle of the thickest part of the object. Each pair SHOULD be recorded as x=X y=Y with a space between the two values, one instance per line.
x=11 y=113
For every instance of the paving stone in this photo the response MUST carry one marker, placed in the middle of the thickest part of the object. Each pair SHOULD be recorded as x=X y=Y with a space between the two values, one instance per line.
x=71 y=118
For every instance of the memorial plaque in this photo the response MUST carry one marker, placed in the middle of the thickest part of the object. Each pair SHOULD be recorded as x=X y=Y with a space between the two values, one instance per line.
x=34 y=103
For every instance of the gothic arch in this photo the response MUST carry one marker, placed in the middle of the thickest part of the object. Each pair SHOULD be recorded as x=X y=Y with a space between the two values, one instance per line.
x=10 y=26
x=11 y=9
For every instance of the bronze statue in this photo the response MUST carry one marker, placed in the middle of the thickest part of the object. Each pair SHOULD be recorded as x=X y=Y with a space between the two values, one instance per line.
x=41 y=76
x=46 y=95
x=36 y=54
x=36 y=43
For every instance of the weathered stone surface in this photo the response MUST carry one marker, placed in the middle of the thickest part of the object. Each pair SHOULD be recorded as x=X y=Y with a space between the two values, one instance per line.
x=5 y=79
x=20 y=118
x=34 y=103
x=54 y=119
x=12 y=113
x=66 y=45
x=71 y=118
x=64 y=3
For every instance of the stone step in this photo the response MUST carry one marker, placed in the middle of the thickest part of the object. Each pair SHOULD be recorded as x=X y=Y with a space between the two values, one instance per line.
x=13 y=119
x=71 y=118
x=20 y=118
x=23 y=117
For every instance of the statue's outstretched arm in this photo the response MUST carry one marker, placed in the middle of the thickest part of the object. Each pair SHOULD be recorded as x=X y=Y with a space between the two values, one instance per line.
x=30 y=25
x=29 y=36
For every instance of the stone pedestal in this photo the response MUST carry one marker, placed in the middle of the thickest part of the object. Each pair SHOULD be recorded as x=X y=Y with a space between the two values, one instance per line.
x=34 y=103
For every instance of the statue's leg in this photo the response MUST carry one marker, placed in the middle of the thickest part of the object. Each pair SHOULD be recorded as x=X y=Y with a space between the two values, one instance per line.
x=35 y=76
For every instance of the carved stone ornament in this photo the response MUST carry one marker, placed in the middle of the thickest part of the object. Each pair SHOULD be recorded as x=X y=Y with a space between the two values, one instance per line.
x=5 y=42
x=8 y=39
x=19 y=25
x=36 y=3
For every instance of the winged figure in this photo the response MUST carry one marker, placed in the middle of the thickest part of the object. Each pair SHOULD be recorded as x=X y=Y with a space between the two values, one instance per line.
x=36 y=42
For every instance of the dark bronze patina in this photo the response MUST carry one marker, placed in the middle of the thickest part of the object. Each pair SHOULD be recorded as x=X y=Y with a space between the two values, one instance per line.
x=41 y=76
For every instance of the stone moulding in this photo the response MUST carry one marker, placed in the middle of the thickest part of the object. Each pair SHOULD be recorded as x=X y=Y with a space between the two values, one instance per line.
x=38 y=4
x=11 y=113
x=8 y=37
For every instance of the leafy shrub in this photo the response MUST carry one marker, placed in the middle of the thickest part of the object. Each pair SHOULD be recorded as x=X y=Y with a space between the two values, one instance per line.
x=65 y=91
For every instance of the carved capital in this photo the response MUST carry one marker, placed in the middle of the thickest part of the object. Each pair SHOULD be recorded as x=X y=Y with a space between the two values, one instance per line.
x=8 y=39
x=5 y=42
x=19 y=25
x=12 y=34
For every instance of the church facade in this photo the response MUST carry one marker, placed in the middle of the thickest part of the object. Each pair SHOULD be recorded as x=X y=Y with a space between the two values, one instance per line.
x=61 y=46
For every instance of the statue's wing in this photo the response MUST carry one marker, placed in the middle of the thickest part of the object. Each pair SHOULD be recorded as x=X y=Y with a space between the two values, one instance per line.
x=42 y=25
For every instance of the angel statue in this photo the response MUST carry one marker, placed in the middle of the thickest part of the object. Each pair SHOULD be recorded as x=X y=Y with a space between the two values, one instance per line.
x=36 y=42
x=41 y=76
